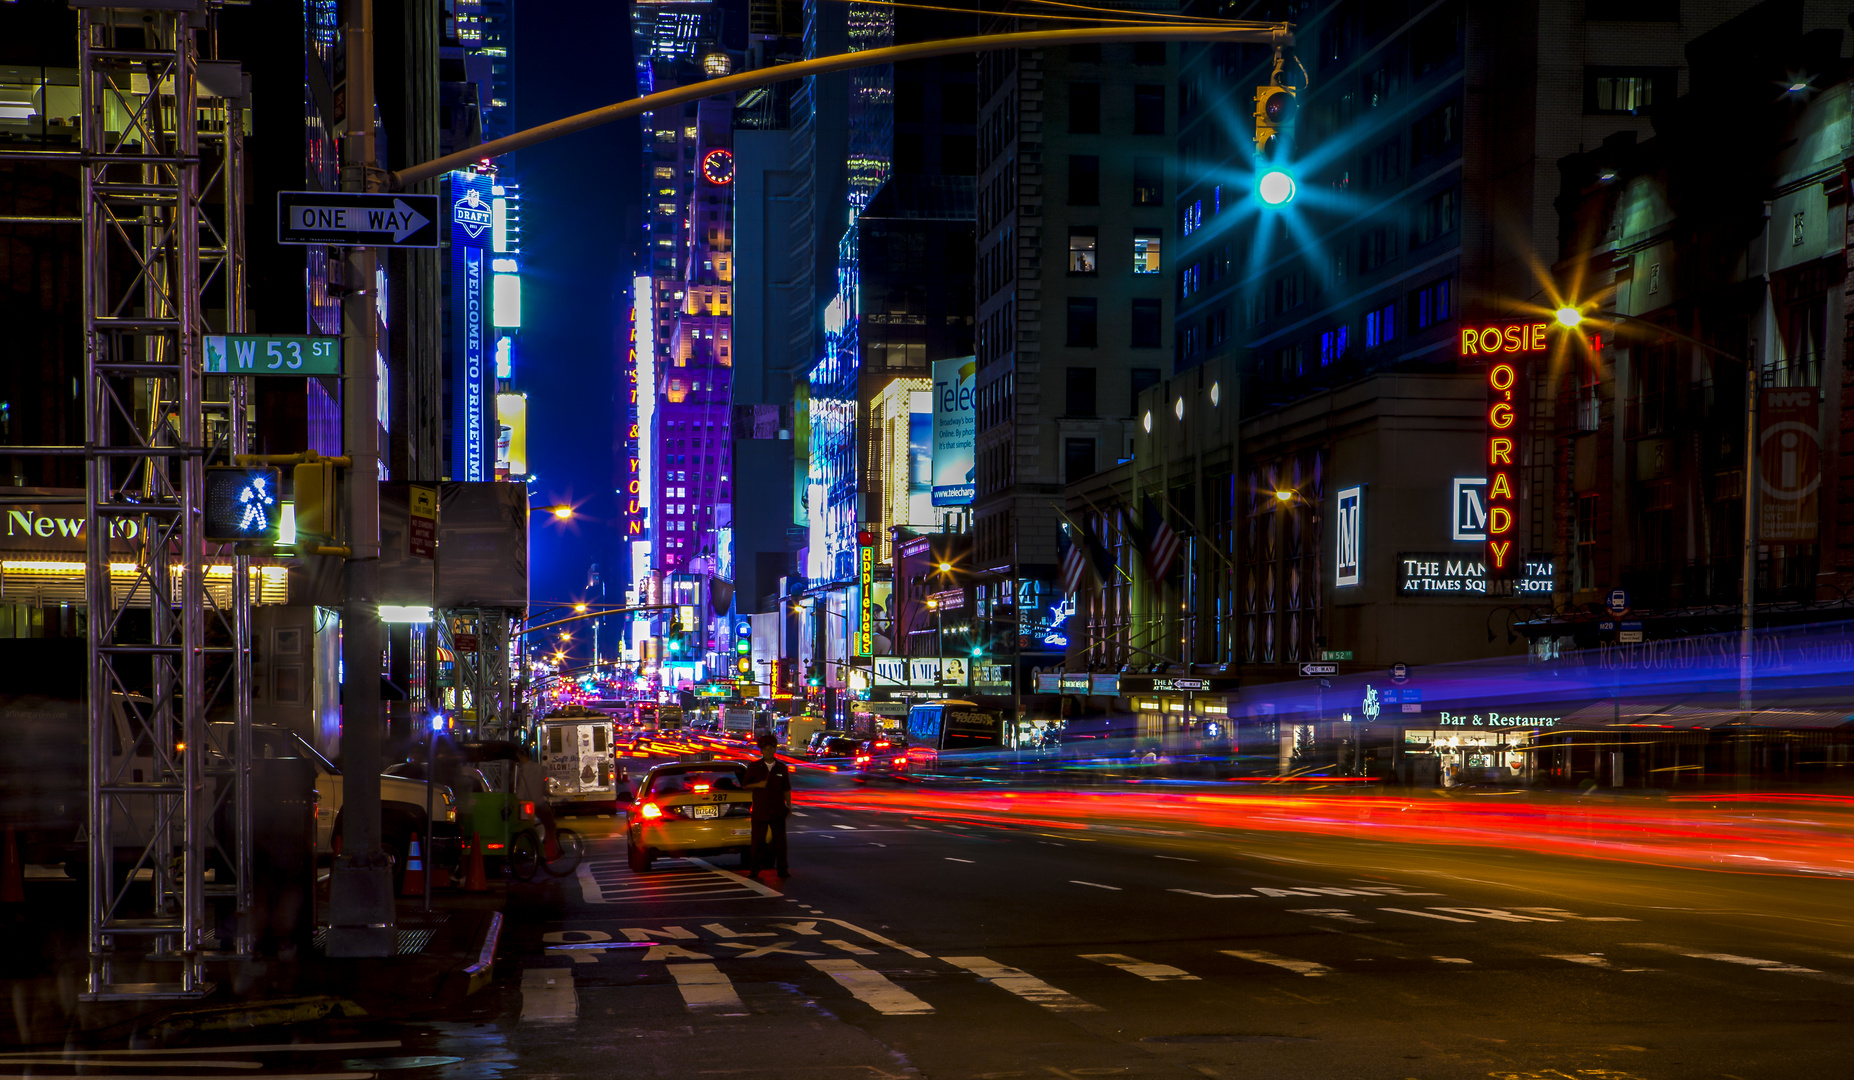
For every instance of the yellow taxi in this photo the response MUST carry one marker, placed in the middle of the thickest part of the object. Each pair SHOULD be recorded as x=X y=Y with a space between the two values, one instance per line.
x=690 y=808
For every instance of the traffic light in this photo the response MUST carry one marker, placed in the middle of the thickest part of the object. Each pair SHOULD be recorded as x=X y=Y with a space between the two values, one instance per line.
x=812 y=676
x=318 y=510
x=1274 y=116
x=243 y=503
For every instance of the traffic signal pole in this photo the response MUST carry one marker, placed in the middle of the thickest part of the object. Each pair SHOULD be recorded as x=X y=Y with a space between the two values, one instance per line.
x=361 y=919
x=1232 y=31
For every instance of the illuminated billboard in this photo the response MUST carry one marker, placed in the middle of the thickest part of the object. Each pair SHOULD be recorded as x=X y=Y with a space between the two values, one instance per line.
x=641 y=381
x=954 y=430
x=472 y=433
x=511 y=435
x=903 y=415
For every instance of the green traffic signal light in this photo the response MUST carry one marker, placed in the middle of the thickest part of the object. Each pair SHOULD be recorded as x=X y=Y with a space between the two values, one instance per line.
x=1275 y=187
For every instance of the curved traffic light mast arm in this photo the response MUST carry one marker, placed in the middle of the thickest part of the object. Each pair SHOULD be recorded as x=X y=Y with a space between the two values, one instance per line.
x=599 y=613
x=1278 y=35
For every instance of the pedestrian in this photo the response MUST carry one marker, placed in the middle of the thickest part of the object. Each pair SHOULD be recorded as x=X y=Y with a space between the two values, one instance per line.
x=771 y=783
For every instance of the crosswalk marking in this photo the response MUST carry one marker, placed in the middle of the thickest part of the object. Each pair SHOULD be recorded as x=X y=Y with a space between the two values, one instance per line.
x=1340 y=914
x=949 y=858
x=873 y=988
x=1094 y=885
x=1746 y=961
x=849 y=948
x=1450 y=960
x=704 y=988
x=548 y=996
x=1590 y=961
x=1021 y=983
x=1304 y=967
x=1498 y=914
x=1424 y=914
x=1152 y=972
x=611 y=881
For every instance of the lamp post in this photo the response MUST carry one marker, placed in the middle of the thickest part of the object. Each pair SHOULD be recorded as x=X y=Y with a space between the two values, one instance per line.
x=1572 y=317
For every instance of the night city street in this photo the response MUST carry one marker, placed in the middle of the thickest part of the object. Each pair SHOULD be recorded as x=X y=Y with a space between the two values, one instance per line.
x=944 y=539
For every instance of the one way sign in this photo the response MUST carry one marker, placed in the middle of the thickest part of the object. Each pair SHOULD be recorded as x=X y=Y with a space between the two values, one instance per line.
x=357 y=219
x=1319 y=669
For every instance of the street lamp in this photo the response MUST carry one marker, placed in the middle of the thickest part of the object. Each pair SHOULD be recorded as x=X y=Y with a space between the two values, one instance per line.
x=1572 y=317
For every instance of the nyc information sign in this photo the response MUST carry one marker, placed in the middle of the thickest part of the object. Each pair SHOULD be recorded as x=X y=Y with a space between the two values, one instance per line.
x=272 y=354
x=357 y=219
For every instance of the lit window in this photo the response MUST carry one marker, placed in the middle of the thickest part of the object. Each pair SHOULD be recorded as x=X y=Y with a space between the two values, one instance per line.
x=1146 y=243
x=1082 y=254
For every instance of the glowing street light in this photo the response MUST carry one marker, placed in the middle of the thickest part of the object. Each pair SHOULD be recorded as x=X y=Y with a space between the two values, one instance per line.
x=1570 y=317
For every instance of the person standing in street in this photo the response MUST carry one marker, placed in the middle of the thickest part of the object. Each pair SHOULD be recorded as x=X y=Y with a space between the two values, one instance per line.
x=771 y=783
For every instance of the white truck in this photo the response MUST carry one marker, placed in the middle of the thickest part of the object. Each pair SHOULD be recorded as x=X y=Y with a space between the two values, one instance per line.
x=737 y=722
x=578 y=758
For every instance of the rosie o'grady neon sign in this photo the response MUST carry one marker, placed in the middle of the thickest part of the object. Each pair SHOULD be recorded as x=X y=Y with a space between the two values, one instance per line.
x=1505 y=409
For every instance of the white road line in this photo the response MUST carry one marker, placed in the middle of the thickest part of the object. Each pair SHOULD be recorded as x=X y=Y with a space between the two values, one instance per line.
x=872 y=988
x=849 y=947
x=1424 y=914
x=1215 y=895
x=1450 y=960
x=1095 y=885
x=1329 y=913
x=1021 y=983
x=1151 y=972
x=1746 y=961
x=548 y=997
x=949 y=858
x=852 y=828
x=1174 y=858
x=1498 y=914
x=704 y=988
x=873 y=936
x=1304 y=967
x=737 y=879
x=1589 y=961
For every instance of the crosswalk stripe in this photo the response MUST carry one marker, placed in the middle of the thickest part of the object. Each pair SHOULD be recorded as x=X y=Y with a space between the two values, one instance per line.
x=1746 y=961
x=1021 y=983
x=548 y=996
x=873 y=988
x=704 y=988
x=1152 y=972
x=1589 y=961
x=848 y=947
x=1304 y=967
x=1424 y=914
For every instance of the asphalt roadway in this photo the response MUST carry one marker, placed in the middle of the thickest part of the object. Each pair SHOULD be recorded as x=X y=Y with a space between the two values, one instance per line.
x=955 y=944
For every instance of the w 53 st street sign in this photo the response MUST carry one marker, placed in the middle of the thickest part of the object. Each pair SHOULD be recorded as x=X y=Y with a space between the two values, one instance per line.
x=272 y=354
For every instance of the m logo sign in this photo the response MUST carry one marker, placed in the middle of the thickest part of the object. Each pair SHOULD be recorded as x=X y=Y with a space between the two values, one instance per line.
x=1470 y=516
x=1348 y=546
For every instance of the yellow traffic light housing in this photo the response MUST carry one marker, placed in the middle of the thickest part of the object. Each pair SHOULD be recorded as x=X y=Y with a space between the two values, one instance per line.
x=318 y=504
x=1274 y=115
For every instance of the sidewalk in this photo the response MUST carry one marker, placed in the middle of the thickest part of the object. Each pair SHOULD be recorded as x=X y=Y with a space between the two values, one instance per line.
x=444 y=956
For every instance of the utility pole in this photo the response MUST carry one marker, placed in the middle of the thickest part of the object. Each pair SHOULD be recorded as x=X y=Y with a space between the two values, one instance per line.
x=361 y=882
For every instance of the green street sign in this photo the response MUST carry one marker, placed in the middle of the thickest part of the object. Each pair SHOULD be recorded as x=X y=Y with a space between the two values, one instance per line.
x=272 y=354
x=1335 y=654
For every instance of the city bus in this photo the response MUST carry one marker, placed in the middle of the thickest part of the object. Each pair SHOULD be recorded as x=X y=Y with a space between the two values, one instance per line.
x=951 y=727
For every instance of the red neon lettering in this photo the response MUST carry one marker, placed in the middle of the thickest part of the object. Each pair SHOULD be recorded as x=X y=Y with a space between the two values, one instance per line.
x=1470 y=342
x=1511 y=334
x=1490 y=346
x=1500 y=416
x=1499 y=450
x=1500 y=488
x=1502 y=376
x=1499 y=521
x=1498 y=550
x=1538 y=337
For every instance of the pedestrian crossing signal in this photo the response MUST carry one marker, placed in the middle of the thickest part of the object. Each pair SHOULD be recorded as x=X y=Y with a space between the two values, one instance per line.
x=243 y=503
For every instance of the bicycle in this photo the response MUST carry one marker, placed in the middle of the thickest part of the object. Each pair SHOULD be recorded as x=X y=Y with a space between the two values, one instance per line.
x=526 y=853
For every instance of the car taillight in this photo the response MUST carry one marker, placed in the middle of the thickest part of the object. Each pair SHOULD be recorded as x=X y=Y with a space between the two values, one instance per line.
x=700 y=787
x=862 y=760
x=901 y=759
x=651 y=810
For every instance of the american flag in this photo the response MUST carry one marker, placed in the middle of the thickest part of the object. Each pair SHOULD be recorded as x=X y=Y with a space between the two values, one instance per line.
x=1162 y=543
x=1074 y=565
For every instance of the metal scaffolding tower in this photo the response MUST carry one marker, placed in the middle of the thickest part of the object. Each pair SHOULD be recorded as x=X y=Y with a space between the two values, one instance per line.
x=162 y=235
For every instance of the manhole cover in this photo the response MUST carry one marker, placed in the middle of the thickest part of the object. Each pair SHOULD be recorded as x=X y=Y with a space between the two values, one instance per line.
x=1222 y=1038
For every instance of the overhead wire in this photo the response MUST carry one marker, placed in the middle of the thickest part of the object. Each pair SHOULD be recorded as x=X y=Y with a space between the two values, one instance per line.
x=1127 y=18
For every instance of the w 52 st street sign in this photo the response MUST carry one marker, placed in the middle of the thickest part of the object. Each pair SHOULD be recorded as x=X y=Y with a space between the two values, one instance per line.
x=357 y=219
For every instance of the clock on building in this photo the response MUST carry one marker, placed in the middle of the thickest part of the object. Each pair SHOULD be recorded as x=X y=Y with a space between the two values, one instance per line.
x=718 y=166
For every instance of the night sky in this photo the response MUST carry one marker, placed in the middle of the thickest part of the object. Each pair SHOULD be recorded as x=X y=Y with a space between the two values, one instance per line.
x=578 y=243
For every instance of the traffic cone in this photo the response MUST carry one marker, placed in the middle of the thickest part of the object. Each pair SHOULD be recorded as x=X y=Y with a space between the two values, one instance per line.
x=475 y=880
x=414 y=883
x=12 y=875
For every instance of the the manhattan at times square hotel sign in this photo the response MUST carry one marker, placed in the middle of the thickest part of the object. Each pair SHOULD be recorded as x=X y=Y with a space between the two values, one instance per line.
x=1503 y=349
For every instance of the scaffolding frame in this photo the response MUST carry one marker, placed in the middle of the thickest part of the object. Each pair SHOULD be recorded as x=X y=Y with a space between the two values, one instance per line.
x=167 y=789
